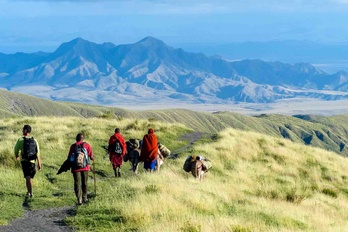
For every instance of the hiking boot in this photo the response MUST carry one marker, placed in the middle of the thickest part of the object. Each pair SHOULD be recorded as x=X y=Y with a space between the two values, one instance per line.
x=29 y=195
x=85 y=201
x=79 y=202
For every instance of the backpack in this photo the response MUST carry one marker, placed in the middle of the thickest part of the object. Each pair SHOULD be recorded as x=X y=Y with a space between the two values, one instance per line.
x=29 y=149
x=79 y=157
x=118 y=148
x=188 y=163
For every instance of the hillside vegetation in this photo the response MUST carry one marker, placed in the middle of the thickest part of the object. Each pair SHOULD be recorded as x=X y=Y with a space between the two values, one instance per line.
x=55 y=135
x=258 y=182
x=330 y=133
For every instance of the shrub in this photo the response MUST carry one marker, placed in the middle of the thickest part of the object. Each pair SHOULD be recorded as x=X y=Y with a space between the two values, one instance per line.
x=152 y=119
x=189 y=227
x=239 y=228
x=151 y=188
x=7 y=159
x=330 y=192
x=134 y=126
x=297 y=195
x=280 y=143
x=107 y=115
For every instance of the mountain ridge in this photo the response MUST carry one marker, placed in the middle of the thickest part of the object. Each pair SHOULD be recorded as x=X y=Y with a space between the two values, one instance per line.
x=151 y=71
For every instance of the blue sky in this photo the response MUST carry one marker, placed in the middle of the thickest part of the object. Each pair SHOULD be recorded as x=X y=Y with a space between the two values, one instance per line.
x=43 y=25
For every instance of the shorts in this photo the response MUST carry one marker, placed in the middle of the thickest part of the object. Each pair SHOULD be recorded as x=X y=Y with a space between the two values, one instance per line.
x=28 y=169
x=150 y=165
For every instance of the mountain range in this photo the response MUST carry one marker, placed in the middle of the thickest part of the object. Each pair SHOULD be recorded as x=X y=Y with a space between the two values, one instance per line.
x=150 y=71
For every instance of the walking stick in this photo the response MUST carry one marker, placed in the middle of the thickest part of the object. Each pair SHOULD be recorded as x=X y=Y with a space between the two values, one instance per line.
x=95 y=180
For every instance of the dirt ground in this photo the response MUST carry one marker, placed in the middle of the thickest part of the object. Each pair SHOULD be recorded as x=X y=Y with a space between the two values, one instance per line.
x=41 y=220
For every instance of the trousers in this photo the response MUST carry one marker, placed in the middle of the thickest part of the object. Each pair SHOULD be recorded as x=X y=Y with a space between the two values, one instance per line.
x=80 y=185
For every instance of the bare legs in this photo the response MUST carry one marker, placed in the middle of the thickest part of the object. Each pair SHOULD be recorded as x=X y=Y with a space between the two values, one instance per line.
x=29 y=183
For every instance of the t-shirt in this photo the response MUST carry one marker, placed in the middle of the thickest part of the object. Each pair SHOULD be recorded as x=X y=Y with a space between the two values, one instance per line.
x=20 y=147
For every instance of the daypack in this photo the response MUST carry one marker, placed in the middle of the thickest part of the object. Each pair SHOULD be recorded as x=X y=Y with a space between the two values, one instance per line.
x=188 y=163
x=118 y=148
x=79 y=157
x=29 y=149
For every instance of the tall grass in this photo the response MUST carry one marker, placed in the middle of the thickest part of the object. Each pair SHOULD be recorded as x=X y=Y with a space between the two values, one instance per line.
x=55 y=135
x=257 y=183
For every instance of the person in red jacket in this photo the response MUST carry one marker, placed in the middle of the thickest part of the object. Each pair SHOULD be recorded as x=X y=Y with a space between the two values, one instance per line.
x=149 y=150
x=80 y=167
x=117 y=149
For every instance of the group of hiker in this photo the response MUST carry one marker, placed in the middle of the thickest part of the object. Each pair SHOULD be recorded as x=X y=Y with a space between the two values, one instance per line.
x=148 y=150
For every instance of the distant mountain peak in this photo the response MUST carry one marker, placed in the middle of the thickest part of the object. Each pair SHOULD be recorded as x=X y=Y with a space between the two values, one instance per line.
x=77 y=46
x=78 y=41
x=151 y=41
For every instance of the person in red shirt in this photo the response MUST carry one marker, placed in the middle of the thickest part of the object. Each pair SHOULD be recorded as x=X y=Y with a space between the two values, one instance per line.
x=149 y=150
x=80 y=172
x=117 y=149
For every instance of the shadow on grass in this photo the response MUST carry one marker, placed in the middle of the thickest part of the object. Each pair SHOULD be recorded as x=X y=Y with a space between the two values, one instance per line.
x=101 y=173
x=26 y=203
x=50 y=178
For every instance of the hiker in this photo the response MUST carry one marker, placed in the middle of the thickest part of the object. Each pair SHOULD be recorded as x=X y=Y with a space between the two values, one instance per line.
x=197 y=165
x=149 y=150
x=29 y=153
x=117 y=149
x=133 y=153
x=79 y=155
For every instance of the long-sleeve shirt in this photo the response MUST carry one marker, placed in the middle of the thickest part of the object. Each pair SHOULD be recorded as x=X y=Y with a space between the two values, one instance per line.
x=89 y=152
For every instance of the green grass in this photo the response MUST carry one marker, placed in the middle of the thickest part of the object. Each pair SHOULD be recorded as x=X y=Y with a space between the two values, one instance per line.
x=55 y=136
x=257 y=183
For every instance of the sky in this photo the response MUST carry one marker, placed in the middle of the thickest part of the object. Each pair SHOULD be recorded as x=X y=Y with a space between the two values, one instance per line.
x=34 y=25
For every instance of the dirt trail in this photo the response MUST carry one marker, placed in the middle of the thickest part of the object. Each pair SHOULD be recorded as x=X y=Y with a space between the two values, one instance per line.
x=191 y=138
x=42 y=220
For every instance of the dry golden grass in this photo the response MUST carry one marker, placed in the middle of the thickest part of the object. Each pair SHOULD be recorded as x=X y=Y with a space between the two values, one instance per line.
x=258 y=183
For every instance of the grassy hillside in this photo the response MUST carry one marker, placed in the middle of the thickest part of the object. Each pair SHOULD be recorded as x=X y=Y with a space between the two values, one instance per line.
x=55 y=135
x=330 y=133
x=258 y=182
x=12 y=104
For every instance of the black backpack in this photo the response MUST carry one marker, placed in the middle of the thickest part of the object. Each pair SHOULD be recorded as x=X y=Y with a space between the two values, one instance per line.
x=29 y=149
x=79 y=157
x=116 y=148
